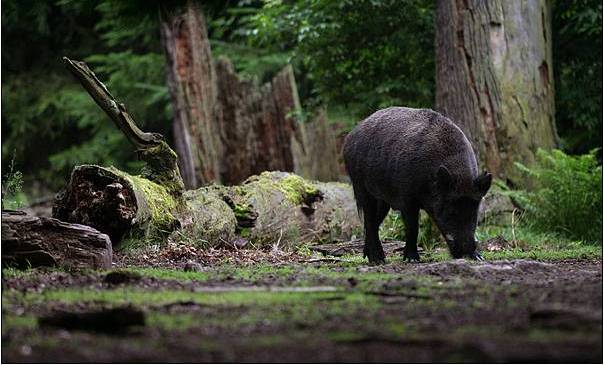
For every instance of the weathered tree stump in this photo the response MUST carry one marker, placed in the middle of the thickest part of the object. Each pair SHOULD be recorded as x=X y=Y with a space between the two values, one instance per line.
x=40 y=241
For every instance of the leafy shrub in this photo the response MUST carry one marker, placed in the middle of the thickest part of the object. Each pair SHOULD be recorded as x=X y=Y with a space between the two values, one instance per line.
x=567 y=195
x=12 y=194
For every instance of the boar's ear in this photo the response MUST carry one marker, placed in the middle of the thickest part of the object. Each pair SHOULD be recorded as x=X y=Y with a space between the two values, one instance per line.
x=444 y=180
x=483 y=183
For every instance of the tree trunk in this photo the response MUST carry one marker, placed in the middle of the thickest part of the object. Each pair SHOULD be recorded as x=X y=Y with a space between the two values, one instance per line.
x=40 y=241
x=494 y=78
x=192 y=85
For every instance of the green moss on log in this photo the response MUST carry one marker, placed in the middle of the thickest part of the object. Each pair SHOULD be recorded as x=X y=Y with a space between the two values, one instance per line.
x=206 y=219
x=295 y=189
x=156 y=207
x=161 y=167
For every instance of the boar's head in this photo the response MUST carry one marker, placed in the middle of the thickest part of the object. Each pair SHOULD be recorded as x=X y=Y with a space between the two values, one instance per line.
x=454 y=209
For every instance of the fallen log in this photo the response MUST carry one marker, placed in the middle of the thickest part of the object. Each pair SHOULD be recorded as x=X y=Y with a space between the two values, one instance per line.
x=29 y=241
x=273 y=208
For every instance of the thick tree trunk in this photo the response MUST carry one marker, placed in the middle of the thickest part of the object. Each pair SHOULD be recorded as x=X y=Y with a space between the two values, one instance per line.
x=494 y=77
x=192 y=85
x=40 y=241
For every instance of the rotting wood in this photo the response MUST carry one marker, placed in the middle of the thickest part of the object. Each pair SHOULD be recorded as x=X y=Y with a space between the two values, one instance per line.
x=227 y=127
x=29 y=241
x=191 y=79
x=272 y=207
x=160 y=160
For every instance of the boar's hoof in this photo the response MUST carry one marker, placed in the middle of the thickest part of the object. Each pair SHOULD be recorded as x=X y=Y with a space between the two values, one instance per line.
x=375 y=255
x=376 y=262
x=476 y=256
x=412 y=256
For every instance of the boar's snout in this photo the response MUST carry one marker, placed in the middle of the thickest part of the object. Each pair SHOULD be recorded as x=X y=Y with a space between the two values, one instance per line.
x=462 y=248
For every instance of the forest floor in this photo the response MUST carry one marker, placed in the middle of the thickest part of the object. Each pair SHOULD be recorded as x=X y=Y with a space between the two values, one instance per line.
x=256 y=306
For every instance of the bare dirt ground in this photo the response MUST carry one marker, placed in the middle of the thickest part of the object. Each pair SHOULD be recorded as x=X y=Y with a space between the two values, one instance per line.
x=280 y=307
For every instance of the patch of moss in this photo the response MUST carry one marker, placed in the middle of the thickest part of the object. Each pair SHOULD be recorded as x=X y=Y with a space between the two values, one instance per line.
x=295 y=188
x=156 y=207
x=137 y=296
x=242 y=211
x=13 y=321
x=207 y=220
x=170 y=274
x=161 y=167
x=160 y=203
x=547 y=254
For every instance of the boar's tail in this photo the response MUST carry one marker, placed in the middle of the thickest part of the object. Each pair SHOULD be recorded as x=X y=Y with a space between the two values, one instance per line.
x=361 y=196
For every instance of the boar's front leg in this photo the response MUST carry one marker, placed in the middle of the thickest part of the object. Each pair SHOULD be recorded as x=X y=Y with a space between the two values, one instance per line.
x=374 y=212
x=410 y=214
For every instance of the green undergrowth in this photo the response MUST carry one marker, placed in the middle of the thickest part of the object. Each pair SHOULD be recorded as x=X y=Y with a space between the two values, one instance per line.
x=546 y=254
x=142 y=297
x=230 y=310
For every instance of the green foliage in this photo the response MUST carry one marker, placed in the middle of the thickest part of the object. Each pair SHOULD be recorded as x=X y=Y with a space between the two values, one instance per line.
x=12 y=184
x=567 y=197
x=48 y=120
x=361 y=54
x=577 y=51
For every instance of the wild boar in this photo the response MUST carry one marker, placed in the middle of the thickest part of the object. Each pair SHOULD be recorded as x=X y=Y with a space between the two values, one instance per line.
x=411 y=159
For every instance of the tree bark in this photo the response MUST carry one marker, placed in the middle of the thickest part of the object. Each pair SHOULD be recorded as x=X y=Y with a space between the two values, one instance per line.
x=192 y=84
x=494 y=78
x=40 y=241
x=256 y=125
x=317 y=156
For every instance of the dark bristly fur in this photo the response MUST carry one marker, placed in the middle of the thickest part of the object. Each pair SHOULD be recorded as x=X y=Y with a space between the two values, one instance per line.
x=411 y=159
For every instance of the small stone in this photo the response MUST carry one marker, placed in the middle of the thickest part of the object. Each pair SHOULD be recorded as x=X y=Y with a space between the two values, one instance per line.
x=25 y=350
x=240 y=242
x=193 y=266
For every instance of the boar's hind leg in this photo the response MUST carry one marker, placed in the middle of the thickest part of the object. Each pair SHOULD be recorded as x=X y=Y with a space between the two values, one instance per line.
x=410 y=214
x=374 y=212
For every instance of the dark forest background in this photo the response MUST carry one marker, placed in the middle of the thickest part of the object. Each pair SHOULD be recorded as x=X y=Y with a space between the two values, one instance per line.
x=381 y=53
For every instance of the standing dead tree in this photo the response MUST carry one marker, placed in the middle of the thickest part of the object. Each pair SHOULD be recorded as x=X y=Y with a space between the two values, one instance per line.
x=227 y=128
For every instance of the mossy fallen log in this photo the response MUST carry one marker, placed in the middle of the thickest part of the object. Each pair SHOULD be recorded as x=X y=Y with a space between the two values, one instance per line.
x=117 y=203
x=273 y=208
